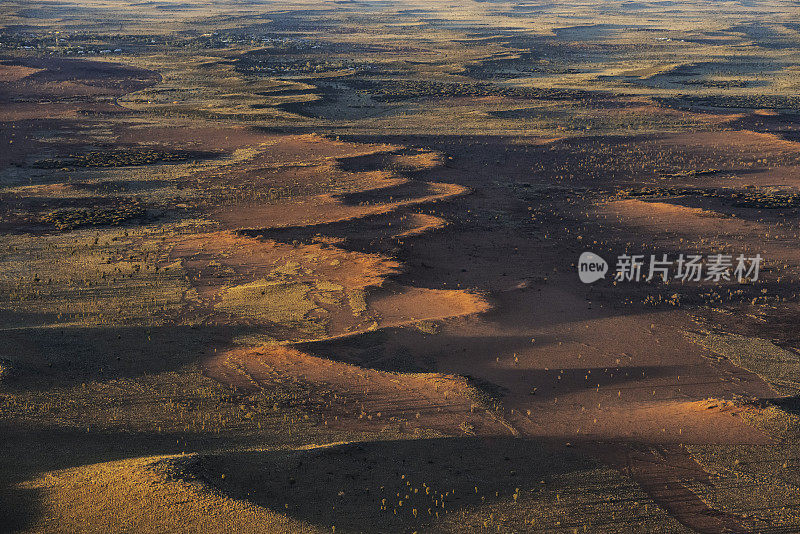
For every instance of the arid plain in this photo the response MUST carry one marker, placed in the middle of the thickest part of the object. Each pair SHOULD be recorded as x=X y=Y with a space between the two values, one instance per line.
x=312 y=267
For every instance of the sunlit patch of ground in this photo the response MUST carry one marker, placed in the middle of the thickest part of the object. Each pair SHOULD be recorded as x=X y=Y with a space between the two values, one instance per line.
x=241 y=230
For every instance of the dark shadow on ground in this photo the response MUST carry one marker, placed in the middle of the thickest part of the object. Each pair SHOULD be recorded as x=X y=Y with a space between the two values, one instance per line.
x=51 y=355
x=401 y=486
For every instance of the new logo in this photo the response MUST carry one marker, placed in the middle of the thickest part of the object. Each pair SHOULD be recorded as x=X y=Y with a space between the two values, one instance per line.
x=591 y=267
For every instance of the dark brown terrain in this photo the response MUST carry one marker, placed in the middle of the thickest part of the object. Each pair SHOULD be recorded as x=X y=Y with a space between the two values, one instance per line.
x=314 y=267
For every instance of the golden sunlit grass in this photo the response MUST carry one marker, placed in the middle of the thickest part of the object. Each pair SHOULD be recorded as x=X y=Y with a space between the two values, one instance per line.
x=143 y=495
x=267 y=300
x=112 y=276
x=178 y=262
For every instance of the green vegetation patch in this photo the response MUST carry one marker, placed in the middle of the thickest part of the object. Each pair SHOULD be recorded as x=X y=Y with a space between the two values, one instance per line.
x=254 y=65
x=124 y=158
x=748 y=198
x=399 y=90
x=69 y=219
x=748 y=101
